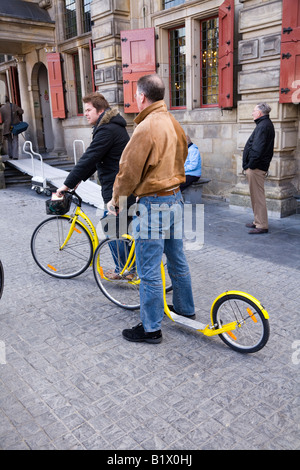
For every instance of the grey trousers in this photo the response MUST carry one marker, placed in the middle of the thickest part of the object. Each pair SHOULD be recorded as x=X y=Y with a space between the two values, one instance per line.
x=12 y=145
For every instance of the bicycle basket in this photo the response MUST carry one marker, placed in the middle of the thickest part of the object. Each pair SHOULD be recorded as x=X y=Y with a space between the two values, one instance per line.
x=59 y=207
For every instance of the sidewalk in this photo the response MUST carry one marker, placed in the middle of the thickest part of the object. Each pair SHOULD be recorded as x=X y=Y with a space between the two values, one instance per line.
x=69 y=380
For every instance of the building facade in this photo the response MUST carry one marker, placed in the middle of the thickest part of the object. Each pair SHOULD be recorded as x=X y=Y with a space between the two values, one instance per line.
x=218 y=59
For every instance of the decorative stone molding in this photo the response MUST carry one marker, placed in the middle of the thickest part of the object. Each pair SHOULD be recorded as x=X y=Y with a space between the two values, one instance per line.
x=45 y=4
x=258 y=49
x=266 y=14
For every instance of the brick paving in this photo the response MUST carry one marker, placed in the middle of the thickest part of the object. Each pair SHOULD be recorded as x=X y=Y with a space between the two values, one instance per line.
x=69 y=381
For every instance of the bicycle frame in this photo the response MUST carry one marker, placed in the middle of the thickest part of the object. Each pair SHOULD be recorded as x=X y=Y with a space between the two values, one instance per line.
x=88 y=225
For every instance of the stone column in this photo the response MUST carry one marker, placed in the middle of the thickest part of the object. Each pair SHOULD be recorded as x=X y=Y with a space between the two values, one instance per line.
x=109 y=18
x=259 y=59
x=25 y=101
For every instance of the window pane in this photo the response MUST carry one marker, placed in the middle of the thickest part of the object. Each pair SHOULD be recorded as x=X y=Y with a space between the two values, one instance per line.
x=177 y=67
x=171 y=3
x=77 y=84
x=209 y=65
x=86 y=15
x=70 y=19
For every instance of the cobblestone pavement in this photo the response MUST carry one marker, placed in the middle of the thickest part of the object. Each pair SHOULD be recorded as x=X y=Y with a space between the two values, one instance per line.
x=69 y=381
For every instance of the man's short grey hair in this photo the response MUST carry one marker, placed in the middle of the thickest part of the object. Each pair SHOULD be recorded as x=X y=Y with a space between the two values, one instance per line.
x=264 y=108
x=152 y=86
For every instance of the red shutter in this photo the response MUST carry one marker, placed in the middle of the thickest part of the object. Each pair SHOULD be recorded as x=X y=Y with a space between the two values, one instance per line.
x=138 y=59
x=289 y=88
x=226 y=28
x=56 y=85
x=226 y=49
x=14 y=85
x=290 y=73
x=226 y=81
x=290 y=20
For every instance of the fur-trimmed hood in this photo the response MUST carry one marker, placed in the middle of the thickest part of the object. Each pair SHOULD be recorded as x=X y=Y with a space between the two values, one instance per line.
x=111 y=114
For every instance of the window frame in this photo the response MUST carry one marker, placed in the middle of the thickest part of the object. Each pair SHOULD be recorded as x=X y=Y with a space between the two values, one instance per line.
x=170 y=74
x=77 y=83
x=190 y=16
x=65 y=24
x=202 y=105
x=170 y=1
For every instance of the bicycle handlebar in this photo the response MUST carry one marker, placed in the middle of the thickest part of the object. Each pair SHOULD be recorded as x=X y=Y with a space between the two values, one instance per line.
x=73 y=193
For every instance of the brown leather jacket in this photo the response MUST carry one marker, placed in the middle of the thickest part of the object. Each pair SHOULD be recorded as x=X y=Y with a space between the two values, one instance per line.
x=153 y=160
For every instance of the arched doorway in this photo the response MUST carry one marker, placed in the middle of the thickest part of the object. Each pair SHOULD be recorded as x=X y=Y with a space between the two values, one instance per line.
x=42 y=108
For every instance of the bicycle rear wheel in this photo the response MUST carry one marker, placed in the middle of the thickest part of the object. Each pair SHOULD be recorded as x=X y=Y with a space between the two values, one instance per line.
x=252 y=331
x=67 y=262
x=110 y=258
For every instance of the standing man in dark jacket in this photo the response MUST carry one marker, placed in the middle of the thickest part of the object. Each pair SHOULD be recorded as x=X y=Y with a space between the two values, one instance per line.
x=258 y=153
x=11 y=114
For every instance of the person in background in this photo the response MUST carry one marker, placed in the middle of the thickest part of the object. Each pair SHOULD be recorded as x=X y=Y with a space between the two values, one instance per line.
x=10 y=115
x=192 y=166
x=257 y=156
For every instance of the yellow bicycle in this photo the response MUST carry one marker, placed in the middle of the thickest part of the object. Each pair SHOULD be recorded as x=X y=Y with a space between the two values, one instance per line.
x=63 y=245
x=237 y=317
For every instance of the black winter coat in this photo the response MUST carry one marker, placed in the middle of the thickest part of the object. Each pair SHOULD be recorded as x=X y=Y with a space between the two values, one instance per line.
x=258 y=151
x=109 y=140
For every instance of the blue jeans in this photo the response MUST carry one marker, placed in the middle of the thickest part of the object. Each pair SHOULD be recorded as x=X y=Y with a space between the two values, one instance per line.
x=157 y=228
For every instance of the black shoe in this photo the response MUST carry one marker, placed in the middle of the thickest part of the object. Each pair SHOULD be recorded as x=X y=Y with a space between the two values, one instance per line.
x=251 y=225
x=137 y=334
x=258 y=230
x=181 y=314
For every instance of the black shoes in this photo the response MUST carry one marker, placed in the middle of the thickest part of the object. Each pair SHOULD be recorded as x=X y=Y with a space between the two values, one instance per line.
x=258 y=230
x=181 y=314
x=255 y=229
x=137 y=334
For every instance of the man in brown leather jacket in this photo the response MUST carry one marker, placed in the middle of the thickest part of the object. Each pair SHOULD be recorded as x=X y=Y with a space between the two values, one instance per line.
x=152 y=168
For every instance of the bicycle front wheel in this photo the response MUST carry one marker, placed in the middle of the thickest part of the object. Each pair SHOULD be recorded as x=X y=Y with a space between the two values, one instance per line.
x=115 y=272
x=55 y=259
x=252 y=331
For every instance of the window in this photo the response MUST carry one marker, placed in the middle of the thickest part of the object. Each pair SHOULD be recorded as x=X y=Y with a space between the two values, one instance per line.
x=77 y=84
x=70 y=19
x=86 y=16
x=171 y=3
x=209 y=62
x=177 y=68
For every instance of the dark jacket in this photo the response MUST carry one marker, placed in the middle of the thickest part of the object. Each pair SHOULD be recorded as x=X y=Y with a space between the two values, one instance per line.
x=10 y=114
x=109 y=140
x=258 y=151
